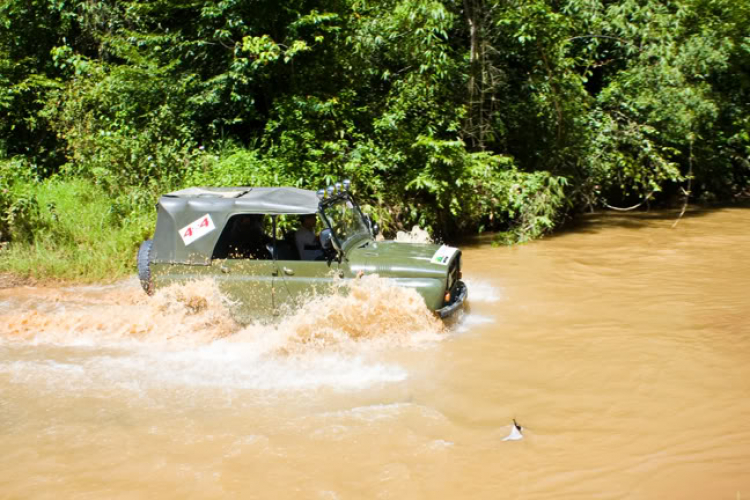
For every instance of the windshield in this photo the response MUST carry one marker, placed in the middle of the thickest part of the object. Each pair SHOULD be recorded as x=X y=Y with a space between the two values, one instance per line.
x=346 y=220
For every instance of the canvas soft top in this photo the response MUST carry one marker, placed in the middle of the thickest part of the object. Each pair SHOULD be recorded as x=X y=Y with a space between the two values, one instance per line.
x=190 y=221
x=260 y=200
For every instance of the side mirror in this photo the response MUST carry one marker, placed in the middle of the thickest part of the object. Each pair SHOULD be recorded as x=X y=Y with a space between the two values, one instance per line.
x=327 y=241
x=374 y=228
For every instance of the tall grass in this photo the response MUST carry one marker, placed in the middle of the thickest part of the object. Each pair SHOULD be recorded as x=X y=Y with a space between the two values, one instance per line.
x=79 y=232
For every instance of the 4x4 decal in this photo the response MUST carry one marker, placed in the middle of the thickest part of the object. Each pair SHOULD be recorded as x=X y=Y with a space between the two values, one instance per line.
x=197 y=229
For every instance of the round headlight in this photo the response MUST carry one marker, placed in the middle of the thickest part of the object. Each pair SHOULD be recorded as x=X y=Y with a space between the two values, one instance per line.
x=321 y=194
x=347 y=184
x=330 y=190
x=338 y=187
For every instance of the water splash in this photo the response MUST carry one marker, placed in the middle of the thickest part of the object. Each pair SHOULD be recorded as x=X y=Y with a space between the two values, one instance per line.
x=469 y=321
x=369 y=311
x=193 y=313
x=185 y=335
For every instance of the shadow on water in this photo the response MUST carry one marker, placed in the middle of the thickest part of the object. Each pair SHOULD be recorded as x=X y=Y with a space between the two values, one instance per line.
x=603 y=220
x=590 y=223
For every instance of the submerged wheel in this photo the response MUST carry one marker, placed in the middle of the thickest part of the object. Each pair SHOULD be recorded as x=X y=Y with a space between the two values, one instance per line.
x=144 y=267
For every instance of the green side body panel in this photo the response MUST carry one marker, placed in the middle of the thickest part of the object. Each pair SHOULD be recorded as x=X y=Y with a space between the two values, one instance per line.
x=407 y=264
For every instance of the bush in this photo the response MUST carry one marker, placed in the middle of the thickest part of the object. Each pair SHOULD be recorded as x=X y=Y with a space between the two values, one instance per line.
x=19 y=209
x=235 y=167
x=77 y=231
x=534 y=203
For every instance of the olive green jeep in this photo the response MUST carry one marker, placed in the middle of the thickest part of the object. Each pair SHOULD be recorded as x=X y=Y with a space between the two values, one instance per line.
x=245 y=239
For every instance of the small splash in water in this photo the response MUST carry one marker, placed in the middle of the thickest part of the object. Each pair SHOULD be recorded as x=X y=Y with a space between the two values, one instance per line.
x=469 y=321
x=482 y=291
x=416 y=235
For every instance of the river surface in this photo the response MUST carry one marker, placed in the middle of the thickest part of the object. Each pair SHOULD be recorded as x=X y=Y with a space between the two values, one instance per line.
x=621 y=346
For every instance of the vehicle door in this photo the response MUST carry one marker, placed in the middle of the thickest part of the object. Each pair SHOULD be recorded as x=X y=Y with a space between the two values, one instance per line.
x=248 y=284
x=297 y=281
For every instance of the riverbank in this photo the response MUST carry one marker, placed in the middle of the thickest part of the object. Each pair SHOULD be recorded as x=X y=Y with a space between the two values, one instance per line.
x=76 y=233
x=9 y=280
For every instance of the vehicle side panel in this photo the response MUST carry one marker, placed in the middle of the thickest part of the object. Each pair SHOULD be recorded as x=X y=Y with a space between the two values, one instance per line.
x=169 y=246
x=301 y=279
x=432 y=290
x=247 y=283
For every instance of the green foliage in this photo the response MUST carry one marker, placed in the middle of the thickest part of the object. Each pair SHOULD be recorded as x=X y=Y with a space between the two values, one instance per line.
x=19 y=208
x=122 y=124
x=459 y=116
x=235 y=167
x=74 y=230
x=536 y=202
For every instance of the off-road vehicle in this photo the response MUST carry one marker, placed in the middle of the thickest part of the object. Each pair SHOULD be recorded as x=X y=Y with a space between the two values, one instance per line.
x=244 y=238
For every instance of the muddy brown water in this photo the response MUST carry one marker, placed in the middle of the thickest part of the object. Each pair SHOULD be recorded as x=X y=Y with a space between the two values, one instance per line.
x=622 y=346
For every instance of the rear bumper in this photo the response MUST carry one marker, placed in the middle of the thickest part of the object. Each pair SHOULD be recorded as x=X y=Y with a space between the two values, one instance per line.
x=458 y=301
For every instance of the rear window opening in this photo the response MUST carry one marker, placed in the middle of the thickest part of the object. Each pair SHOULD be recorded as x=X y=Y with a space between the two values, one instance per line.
x=245 y=236
x=250 y=236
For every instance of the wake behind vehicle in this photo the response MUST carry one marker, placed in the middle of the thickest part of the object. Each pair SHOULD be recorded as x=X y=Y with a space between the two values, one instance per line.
x=244 y=238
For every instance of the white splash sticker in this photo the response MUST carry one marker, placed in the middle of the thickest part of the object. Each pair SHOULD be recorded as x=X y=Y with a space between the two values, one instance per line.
x=197 y=229
x=443 y=255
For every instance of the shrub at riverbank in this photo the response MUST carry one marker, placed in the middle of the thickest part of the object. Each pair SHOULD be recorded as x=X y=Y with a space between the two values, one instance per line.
x=71 y=230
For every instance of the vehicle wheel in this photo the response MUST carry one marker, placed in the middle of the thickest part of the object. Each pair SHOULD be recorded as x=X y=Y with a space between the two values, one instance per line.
x=144 y=267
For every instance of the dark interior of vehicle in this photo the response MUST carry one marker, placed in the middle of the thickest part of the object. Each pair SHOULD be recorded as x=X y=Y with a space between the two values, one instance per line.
x=286 y=249
x=246 y=236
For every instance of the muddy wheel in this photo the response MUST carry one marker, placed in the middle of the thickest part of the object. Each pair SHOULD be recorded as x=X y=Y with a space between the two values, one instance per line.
x=144 y=266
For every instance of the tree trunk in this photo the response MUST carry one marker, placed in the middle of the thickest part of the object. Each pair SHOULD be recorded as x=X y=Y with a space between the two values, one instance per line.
x=474 y=128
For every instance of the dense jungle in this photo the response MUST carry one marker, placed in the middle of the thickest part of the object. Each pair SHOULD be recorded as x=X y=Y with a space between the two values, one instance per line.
x=459 y=116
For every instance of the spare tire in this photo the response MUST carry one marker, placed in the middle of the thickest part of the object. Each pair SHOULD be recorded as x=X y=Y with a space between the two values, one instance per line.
x=144 y=266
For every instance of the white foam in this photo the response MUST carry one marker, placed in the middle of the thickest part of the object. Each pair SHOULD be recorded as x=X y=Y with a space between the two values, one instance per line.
x=136 y=370
x=416 y=235
x=440 y=444
x=482 y=291
x=471 y=320
x=370 y=413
